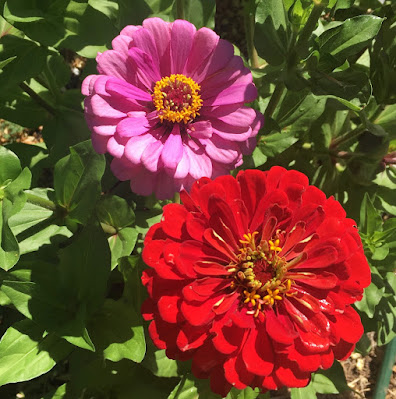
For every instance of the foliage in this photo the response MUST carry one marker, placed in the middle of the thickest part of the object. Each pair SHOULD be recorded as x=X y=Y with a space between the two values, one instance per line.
x=71 y=236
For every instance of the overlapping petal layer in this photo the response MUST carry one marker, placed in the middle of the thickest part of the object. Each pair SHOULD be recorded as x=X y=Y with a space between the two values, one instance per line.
x=253 y=279
x=168 y=105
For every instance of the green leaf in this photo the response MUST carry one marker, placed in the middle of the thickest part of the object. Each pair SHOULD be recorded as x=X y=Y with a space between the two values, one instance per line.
x=58 y=394
x=271 y=31
x=199 y=12
x=131 y=268
x=115 y=211
x=28 y=60
x=48 y=305
x=27 y=352
x=276 y=143
x=118 y=330
x=191 y=388
x=347 y=39
x=331 y=380
x=303 y=393
x=77 y=181
x=10 y=167
x=85 y=267
x=299 y=109
x=34 y=226
x=372 y=295
x=122 y=244
x=370 y=220
x=13 y=181
x=67 y=129
x=18 y=107
x=158 y=363
x=106 y=7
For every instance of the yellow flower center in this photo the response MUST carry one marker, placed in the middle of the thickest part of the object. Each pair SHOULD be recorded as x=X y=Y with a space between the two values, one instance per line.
x=260 y=274
x=177 y=98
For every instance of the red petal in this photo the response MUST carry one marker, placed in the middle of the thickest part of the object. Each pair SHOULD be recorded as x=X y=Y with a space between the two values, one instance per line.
x=253 y=188
x=290 y=375
x=168 y=308
x=173 y=220
x=279 y=327
x=218 y=243
x=348 y=325
x=195 y=227
x=218 y=383
x=236 y=373
x=343 y=350
x=191 y=337
x=198 y=314
x=320 y=257
x=228 y=339
x=257 y=353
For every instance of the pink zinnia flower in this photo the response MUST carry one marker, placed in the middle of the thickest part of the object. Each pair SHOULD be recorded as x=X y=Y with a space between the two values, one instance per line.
x=168 y=105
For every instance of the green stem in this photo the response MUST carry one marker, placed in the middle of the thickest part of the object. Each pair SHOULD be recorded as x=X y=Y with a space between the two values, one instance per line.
x=275 y=98
x=249 y=29
x=180 y=9
x=39 y=100
x=347 y=137
x=40 y=201
x=176 y=198
x=310 y=26
x=385 y=373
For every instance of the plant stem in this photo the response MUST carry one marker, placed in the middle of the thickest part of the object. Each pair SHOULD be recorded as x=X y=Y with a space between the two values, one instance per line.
x=40 y=201
x=249 y=29
x=180 y=9
x=310 y=26
x=386 y=371
x=347 y=137
x=275 y=98
x=39 y=100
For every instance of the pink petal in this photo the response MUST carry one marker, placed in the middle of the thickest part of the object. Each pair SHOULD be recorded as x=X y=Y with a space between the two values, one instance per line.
x=121 y=88
x=220 y=150
x=99 y=106
x=219 y=58
x=200 y=163
x=205 y=41
x=183 y=167
x=113 y=63
x=136 y=145
x=242 y=117
x=115 y=148
x=129 y=30
x=200 y=130
x=173 y=149
x=151 y=156
x=143 y=182
x=122 y=168
x=147 y=72
x=134 y=125
x=181 y=42
x=121 y=44
x=87 y=84
x=234 y=94
x=161 y=32
x=99 y=143
x=144 y=40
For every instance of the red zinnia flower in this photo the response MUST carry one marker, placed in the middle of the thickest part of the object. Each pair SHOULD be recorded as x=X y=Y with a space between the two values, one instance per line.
x=253 y=279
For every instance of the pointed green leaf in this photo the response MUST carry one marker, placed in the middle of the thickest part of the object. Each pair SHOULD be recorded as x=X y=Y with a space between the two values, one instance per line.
x=27 y=352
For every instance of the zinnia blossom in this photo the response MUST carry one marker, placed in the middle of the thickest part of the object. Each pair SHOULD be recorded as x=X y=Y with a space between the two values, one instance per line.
x=168 y=105
x=253 y=279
